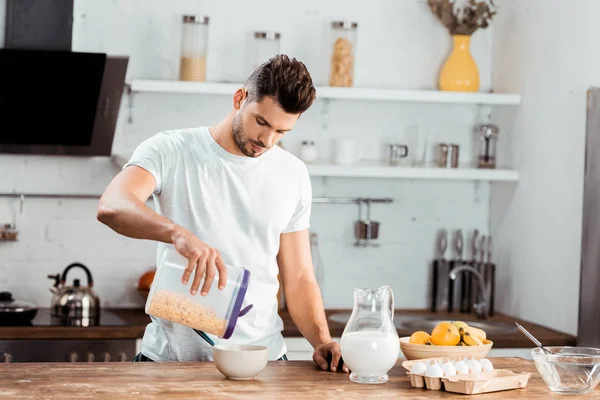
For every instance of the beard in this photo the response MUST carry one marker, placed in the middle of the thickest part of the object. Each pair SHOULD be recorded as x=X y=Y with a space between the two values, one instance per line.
x=244 y=144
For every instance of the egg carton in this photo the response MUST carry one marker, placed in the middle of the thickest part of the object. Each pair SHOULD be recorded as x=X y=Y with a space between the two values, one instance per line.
x=470 y=383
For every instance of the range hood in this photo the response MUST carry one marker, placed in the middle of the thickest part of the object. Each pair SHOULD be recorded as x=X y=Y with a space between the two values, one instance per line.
x=59 y=102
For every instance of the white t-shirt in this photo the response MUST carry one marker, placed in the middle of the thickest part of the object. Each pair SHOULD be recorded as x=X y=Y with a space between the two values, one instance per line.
x=236 y=204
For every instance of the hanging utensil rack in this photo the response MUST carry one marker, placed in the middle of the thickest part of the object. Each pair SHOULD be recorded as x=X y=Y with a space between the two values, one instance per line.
x=366 y=231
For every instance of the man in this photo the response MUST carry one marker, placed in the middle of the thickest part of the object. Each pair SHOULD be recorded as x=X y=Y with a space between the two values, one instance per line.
x=226 y=194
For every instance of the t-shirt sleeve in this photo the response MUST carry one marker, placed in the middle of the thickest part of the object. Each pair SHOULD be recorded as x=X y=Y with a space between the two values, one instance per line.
x=301 y=218
x=153 y=155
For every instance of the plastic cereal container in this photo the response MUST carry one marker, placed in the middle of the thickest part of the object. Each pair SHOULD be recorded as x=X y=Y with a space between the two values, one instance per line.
x=216 y=313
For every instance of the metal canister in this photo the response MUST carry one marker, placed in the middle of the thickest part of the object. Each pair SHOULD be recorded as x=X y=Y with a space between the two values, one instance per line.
x=454 y=155
x=442 y=157
x=448 y=155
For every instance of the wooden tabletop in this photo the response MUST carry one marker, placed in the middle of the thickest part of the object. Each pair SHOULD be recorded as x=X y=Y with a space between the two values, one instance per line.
x=281 y=379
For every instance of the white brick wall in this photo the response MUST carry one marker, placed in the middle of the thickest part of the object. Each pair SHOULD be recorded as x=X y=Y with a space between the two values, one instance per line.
x=56 y=232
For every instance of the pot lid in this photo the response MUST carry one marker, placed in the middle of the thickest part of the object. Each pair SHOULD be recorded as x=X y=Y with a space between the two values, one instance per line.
x=9 y=304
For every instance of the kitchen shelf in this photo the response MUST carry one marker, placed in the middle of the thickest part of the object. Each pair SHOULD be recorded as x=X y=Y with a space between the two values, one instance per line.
x=382 y=171
x=326 y=92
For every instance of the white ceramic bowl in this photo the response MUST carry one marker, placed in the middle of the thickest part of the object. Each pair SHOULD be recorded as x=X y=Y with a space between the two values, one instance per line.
x=240 y=362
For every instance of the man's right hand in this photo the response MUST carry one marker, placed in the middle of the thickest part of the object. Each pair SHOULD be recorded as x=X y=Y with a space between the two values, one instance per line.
x=202 y=258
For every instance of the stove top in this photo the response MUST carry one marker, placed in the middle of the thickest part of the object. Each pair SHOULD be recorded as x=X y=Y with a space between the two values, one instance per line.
x=43 y=318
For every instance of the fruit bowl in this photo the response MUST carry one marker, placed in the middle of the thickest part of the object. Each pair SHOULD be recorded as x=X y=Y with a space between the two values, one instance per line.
x=448 y=339
x=413 y=351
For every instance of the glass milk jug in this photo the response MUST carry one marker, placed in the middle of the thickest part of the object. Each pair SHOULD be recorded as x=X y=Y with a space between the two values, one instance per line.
x=370 y=343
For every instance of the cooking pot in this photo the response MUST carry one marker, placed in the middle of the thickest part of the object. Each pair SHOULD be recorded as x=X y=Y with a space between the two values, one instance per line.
x=14 y=312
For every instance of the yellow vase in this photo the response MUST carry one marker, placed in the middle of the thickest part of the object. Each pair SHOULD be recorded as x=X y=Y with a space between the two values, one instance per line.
x=459 y=73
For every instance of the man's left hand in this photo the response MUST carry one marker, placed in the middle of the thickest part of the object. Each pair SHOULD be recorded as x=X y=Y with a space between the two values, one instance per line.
x=327 y=356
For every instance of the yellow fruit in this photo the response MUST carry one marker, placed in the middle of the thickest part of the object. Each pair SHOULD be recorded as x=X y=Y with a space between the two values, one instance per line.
x=478 y=332
x=419 y=337
x=462 y=344
x=460 y=324
x=486 y=341
x=445 y=334
x=471 y=340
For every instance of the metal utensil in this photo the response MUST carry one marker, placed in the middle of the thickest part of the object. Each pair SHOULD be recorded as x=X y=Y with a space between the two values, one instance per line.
x=465 y=305
x=443 y=273
x=489 y=249
x=458 y=260
x=438 y=263
x=482 y=251
x=533 y=339
x=365 y=230
x=490 y=275
x=479 y=266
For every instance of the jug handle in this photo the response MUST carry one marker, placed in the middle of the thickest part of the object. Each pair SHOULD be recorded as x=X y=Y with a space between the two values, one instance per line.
x=389 y=290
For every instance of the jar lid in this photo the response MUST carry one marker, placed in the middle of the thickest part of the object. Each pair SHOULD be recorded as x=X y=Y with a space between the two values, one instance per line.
x=267 y=35
x=344 y=25
x=200 y=19
x=488 y=130
x=237 y=311
x=9 y=304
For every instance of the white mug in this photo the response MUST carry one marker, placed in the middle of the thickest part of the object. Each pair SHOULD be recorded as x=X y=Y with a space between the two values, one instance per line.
x=345 y=152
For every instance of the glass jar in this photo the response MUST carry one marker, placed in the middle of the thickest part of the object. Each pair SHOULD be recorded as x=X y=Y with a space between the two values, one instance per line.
x=216 y=313
x=308 y=151
x=194 y=43
x=266 y=45
x=342 y=47
x=488 y=136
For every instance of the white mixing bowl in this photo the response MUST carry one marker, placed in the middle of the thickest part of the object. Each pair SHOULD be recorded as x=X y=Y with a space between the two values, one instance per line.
x=240 y=362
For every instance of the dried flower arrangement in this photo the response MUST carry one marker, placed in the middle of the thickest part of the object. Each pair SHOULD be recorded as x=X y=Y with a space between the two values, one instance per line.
x=466 y=20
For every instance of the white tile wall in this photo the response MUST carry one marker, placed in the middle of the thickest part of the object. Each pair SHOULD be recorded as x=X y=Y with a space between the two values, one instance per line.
x=56 y=232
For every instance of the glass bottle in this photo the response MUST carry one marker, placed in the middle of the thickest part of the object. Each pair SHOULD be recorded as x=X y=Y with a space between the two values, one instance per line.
x=342 y=47
x=488 y=135
x=266 y=45
x=194 y=43
x=370 y=344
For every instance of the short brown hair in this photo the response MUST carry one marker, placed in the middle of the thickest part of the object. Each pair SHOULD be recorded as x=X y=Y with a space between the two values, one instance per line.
x=285 y=80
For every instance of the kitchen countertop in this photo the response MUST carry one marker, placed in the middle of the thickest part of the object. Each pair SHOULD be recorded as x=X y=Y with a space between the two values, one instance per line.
x=137 y=320
x=507 y=340
x=281 y=379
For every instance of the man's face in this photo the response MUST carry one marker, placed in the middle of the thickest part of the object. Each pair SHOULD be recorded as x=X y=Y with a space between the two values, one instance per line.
x=258 y=126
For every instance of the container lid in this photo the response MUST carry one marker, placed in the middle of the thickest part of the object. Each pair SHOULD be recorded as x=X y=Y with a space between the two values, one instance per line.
x=344 y=25
x=267 y=35
x=237 y=311
x=9 y=304
x=488 y=130
x=199 y=19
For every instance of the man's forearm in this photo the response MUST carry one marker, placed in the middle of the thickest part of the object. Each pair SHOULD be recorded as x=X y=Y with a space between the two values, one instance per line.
x=131 y=217
x=305 y=306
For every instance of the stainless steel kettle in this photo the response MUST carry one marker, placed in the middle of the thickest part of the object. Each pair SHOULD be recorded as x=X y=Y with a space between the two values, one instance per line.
x=74 y=305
